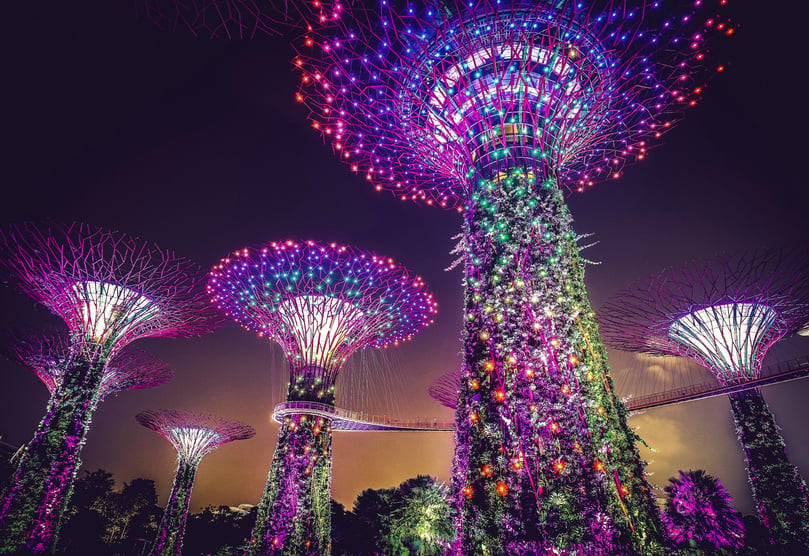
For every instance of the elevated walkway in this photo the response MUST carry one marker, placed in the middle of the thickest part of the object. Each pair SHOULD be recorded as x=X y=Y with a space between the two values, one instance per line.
x=780 y=372
x=355 y=421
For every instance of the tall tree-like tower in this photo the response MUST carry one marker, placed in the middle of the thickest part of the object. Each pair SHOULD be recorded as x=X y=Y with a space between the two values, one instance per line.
x=321 y=303
x=494 y=107
x=193 y=435
x=110 y=290
x=48 y=355
x=725 y=314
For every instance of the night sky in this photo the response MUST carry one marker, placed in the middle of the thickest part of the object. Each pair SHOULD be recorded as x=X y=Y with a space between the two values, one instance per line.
x=200 y=147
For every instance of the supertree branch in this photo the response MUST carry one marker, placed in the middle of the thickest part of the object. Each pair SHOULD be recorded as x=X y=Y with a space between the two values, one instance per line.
x=725 y=314
x=48 y=356
x=193 y=435
x=320 y=303
x=110 y=290
x=237 y=19
x=445 y=389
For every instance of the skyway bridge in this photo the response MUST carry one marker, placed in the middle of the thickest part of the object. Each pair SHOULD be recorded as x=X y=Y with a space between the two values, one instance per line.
x=355 y=421
x=780 y=372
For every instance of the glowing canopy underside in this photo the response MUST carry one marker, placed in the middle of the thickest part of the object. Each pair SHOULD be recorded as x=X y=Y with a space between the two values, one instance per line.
x=194 y=434
x=726 y=338
x=320 y=325
x=110 y=311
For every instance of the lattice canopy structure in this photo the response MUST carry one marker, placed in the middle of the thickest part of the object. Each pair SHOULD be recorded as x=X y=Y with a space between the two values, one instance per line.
x=425 y=98
x=110 y=290
x=193 y=435
x=237 y=19
x=48 y=356
x=725 y=314
x=446 y=389
x=321 y=303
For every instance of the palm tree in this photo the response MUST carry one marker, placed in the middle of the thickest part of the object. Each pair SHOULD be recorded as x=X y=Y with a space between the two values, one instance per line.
x=421 y=517
x=699 y=515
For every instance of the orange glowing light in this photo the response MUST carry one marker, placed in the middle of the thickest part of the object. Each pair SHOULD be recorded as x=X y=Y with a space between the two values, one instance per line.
x=502 y=488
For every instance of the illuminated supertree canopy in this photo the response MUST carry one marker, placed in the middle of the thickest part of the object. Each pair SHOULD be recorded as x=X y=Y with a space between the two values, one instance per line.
x=110 y=290
x=725 y=314
x=321 y=303
x=424 y=98
x=193 y=435
x=48 y=356
x=237 y=19
x=493 y=107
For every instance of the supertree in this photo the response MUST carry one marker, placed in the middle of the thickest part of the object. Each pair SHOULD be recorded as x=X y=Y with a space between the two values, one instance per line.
x=320 y=303
x=725 y=314
x=110 y=290
x=47 y=356
x=492 y=107
x=193 y=435
x=699 y=514
x=237 y=19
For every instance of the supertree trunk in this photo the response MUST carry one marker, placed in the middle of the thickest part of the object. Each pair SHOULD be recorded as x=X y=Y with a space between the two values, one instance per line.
x=169 y=540
x=294 y=516
x=544 y=457
x=32 y=510
x=778 y=489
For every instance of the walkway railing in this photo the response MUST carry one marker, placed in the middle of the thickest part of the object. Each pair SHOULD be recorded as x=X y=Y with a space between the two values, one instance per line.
x=345 y=420
x=780 y=372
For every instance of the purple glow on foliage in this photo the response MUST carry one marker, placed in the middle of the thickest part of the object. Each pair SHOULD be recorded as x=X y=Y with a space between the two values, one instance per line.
x=699 y=509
